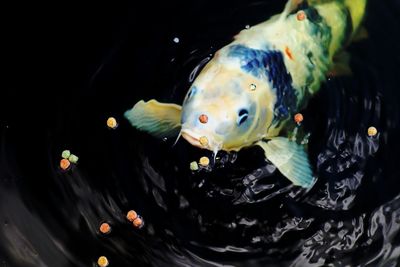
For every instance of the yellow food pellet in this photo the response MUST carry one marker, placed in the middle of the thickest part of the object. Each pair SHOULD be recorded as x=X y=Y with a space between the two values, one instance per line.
x=138 y=222
x=372 y=131
x=203 y=141
x=105 y=228
x=102 y=261
x=112 y=123
x=204 y=161
x=64 y=164
x=131 y=215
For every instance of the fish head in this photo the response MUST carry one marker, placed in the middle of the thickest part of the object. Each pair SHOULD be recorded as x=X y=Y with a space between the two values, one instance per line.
x=225 y=109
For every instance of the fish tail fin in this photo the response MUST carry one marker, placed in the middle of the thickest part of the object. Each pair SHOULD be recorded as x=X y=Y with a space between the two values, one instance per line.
x=357 y=11
x=344 y=18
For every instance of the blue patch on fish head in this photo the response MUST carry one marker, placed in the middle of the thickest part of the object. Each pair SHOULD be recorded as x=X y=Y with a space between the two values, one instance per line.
x=268 y=65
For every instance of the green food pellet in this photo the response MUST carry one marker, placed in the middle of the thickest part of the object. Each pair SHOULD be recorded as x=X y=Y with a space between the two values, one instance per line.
x=73 y=158
x=194 y=166
x=65 y=154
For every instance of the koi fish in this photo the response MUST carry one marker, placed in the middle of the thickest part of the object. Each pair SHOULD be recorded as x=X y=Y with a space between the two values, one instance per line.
x=248 y=92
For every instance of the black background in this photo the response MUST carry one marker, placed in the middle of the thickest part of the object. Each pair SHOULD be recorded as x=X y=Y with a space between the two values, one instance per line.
x=68 y=66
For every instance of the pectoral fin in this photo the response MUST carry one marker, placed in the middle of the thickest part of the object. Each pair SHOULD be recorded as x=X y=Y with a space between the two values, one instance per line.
x=290 y=159
x=158 y=119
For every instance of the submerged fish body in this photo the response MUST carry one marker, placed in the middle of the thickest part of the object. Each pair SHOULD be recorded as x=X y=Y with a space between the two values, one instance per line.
x=246 y=94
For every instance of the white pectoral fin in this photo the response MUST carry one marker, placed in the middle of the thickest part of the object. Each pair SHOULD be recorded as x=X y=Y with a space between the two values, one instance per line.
x=158 y=119
x=290 y=159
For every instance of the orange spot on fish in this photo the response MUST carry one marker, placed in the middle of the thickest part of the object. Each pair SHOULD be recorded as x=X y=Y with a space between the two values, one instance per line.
x=203 y=118
x=289 y=53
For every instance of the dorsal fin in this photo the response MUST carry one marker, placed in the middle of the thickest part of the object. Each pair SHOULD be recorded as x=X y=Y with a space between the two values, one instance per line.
x=292 y=6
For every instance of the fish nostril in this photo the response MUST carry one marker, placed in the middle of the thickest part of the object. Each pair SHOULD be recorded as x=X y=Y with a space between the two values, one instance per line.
x=203 y=118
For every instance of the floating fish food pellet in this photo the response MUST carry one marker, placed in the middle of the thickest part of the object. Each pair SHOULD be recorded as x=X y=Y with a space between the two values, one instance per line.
x=74 y=159
x=372 y=131
x=298 y=118
x=301 y=15
x=131 y=215
x=64 y=164
x=204 y=161
x=203 y=141
x=105 y=228
x=194 y=166
x=65 y=154
x=203 y=118
x=138 y=222
x=102 y=261
x=112 y=123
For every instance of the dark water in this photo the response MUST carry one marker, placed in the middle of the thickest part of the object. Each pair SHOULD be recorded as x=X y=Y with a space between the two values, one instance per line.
x=68 y=68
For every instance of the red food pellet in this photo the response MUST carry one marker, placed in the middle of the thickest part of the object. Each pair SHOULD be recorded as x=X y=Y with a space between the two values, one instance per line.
x=298 y=118
x=301 y=15
x=203 y=118
x=64 y=164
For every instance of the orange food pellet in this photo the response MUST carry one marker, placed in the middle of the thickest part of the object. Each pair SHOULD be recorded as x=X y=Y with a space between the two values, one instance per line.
x=298 y=118
x=138 y=222
x=105 y=228
x=203 y=118
x=64 y=164
x=301 y=15
x=131 y=215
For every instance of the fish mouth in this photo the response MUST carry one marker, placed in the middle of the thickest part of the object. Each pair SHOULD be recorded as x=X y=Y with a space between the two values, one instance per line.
x=192 y=138
x=195 y=139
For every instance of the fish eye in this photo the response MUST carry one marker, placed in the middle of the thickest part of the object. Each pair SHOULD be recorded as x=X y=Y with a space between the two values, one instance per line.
x=243 y=115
